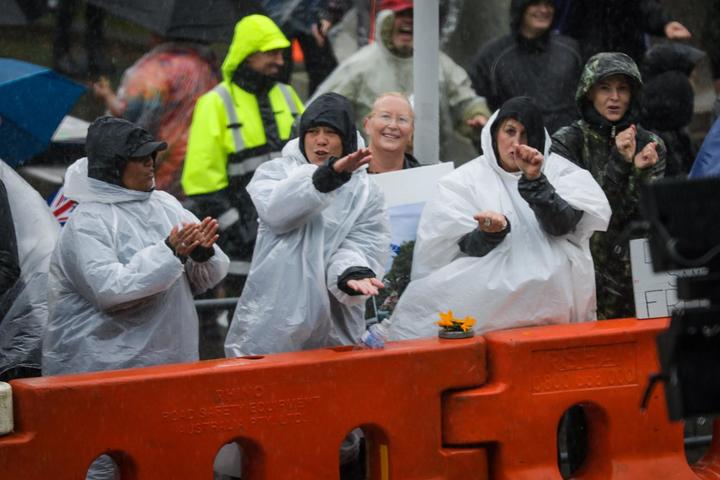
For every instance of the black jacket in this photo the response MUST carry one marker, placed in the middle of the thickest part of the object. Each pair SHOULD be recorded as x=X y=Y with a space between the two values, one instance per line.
x=614 y=25
x=546 y=69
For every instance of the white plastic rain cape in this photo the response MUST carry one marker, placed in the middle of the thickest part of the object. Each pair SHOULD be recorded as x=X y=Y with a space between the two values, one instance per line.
x=306 y=240
x=36 y=232
x=119 y=297
x=531 y=278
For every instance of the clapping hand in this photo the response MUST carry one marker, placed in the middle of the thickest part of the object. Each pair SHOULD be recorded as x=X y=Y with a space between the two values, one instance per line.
x=647 y=157
x=184 y=240
x=626 y=142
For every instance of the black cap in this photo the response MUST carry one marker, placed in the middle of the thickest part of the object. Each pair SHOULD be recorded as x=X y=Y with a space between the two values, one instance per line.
x=111 y=142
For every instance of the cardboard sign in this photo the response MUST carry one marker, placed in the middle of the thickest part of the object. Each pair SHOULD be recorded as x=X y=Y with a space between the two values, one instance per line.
x=655 y=293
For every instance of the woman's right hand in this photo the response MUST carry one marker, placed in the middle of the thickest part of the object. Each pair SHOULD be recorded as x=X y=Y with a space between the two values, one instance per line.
x=491 y=222
x=626 y=143
x=183 y=241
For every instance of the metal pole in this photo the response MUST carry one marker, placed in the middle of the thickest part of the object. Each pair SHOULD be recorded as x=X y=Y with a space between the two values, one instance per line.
x=426 y=57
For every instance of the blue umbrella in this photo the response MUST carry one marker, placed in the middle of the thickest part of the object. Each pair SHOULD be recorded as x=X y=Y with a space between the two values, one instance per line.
x=33 y=101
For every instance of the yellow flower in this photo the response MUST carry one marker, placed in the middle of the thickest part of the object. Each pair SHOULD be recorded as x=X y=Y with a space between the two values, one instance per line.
x=446 y=319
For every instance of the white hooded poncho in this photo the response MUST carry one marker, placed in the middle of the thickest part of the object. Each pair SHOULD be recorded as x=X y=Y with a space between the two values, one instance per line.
x=531 y=278
x=36 y=232
x=119 y=297
x=306 y=240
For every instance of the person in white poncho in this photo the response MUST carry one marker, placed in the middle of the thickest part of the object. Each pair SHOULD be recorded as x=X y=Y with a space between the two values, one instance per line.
x=126 y=266
x=505 y=238
x=322 y=242
x=28 y=232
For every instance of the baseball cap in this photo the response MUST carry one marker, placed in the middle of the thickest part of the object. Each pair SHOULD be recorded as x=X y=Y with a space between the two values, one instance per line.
x=396 y=5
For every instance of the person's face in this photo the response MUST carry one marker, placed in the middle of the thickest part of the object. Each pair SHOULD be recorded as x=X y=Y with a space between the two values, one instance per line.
x=322 y=143
x=611 y=97
x=139 y=174
x=389 y=126
x=538 y=18
x=402 y=33
x=266 y=63
x=510 y=134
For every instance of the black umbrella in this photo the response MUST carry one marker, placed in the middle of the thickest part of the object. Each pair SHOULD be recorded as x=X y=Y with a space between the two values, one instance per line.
x=21 y=12
x=206 y=21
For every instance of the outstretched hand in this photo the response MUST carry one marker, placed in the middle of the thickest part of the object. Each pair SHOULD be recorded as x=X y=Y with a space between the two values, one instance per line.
x=366 y=286
x=353 y=161
x=529 y=160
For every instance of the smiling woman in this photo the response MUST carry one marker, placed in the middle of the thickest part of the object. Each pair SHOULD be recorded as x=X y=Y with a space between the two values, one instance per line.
x=389 y=128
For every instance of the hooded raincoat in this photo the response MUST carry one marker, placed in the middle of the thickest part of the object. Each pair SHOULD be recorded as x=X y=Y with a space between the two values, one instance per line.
x=375 y=69
x=530 y=278
x=307 y=239
x=590 y=143
x=545 y=68
x=118 y=296
x=244 y=121
x=25 y=304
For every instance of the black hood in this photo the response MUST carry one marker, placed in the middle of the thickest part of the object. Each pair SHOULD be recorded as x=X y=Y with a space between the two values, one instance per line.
x=524 y=110
x=111 y=142
x=667 y=57
x=517 y=10
x=666 y=102
x=334 y=111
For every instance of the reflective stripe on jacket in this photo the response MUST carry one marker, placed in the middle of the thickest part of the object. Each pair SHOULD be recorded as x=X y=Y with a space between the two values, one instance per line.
x=219 y=131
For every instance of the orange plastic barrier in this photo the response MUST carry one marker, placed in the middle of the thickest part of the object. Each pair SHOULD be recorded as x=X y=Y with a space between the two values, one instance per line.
x=536 y=374
x=290 y=413
x=431 y=409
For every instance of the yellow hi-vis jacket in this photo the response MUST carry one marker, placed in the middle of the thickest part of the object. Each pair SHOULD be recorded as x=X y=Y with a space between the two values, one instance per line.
x=227 y=119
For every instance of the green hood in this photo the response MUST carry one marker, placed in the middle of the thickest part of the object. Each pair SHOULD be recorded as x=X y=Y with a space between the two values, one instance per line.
x=603 y=65
x=254 y=33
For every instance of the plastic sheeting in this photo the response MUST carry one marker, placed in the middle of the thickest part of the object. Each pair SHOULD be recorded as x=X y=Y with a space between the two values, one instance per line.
x=531 y=278
x=119 y=297
x=305 y=241
x=36 y=231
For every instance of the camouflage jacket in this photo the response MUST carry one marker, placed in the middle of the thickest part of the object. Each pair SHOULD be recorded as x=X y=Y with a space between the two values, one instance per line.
x=590 y=143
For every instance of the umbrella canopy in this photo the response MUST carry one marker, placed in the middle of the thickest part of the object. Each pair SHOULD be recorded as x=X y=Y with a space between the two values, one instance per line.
x=33 y=101
x=21 y=12
x=207 y=21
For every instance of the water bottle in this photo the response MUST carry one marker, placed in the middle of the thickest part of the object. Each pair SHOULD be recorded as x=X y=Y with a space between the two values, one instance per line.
x=374 y=337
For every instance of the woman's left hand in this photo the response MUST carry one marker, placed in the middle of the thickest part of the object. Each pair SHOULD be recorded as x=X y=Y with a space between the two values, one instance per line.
x=647 y=157
x=529 y=160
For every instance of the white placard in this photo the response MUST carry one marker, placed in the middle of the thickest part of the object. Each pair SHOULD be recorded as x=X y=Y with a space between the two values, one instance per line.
x=414 y=185
x=655 y=293
x=406 y=192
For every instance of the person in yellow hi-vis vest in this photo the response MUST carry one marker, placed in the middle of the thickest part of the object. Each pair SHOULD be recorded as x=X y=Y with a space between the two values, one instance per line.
x=240 y=124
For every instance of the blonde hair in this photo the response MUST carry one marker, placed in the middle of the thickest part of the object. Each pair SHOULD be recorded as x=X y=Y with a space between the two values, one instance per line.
x=399 y=95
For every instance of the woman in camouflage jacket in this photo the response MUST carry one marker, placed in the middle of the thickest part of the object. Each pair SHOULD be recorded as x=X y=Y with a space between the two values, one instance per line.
x=620 y=155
